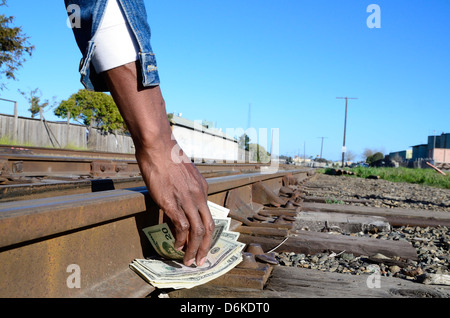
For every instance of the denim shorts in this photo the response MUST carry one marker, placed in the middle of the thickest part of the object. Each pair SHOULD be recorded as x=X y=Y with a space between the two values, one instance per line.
x=91 y=13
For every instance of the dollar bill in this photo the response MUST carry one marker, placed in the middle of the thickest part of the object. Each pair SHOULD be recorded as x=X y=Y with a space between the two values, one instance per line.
x=229 y=235
x=220 y=225
x=167 y=270
x=164 y=273
x=177 y=282
x=217 y=211
x=163 y=241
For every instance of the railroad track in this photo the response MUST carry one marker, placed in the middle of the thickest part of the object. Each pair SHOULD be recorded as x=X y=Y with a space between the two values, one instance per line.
x=32 y=172
x=59 y=224
x=20 y=164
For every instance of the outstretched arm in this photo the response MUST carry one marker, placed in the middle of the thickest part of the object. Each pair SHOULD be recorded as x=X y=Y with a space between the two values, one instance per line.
x=176 y=186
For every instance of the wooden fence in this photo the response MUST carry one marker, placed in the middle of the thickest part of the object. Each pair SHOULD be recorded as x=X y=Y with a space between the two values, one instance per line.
x=43 y=133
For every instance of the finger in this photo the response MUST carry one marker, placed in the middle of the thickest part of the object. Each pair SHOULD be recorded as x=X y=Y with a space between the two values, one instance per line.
x=180 y=226
x=196 y=234
x=205 y=244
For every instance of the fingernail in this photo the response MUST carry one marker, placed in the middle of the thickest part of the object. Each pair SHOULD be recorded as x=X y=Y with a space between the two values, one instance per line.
x=190 y=262
x=179 y=249
x=202 y=261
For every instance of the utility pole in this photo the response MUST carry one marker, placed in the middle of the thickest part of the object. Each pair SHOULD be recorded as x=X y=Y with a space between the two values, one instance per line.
x=321 y=147
x=304 y=153
x=345 y=125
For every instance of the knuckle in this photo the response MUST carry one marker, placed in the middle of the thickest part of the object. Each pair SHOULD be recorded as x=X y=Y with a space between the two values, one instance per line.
x=210 y=227
x=199 y=230
x=198 y=190
x=183 y=226
x=200 y=187
x=204 y=182
x=205 y=185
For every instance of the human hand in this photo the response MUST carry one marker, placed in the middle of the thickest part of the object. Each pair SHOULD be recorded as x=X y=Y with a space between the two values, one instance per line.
x=179 y=189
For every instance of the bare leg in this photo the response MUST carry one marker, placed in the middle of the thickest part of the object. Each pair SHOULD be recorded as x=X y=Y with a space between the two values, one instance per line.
x=178 y=188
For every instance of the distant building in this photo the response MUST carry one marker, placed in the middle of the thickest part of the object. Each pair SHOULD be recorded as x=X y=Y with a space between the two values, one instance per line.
x=442 y=141
x=301 y=161
x=420 y=152
x=437 y=150
x=403 y=155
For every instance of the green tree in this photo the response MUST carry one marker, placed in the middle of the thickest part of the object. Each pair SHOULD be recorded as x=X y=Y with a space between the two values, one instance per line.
x=258 y=154
x=244 y=142
x=86 y=106
x=14 y=46
x=375 y=157
x=34 y=99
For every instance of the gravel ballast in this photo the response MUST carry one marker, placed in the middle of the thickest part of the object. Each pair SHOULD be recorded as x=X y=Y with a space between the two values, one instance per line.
x=431 y=243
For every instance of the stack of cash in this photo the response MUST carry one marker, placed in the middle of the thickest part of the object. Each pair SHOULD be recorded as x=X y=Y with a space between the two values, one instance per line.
x=167 y=269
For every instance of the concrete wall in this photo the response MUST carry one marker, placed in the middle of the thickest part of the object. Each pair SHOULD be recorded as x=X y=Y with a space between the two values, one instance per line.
x=200 y=142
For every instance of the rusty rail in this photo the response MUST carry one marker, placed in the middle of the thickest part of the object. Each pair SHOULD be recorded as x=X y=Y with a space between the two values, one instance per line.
x=17 y=162
x=29 y=173
x=69 y=166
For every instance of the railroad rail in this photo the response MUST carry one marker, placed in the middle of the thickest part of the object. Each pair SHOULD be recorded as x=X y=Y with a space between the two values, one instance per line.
x=17 y=163
x=50 y=228
x=33 y=172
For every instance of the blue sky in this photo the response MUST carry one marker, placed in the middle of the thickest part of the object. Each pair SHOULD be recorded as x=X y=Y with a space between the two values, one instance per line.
x=289 y=59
